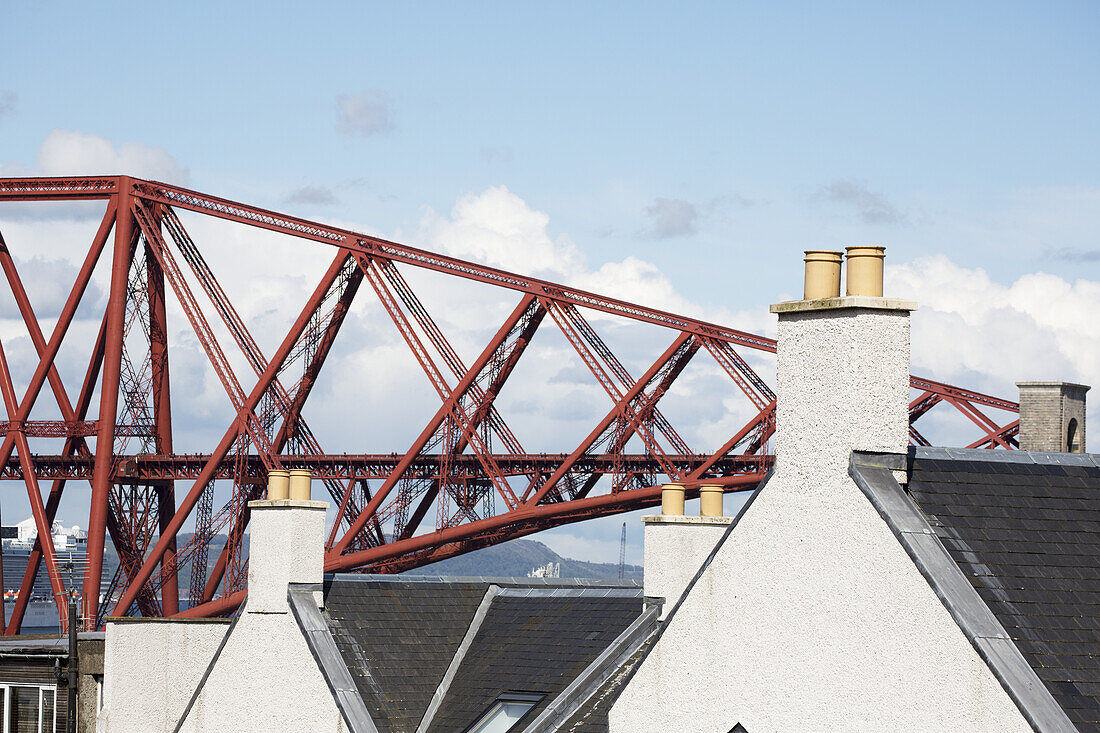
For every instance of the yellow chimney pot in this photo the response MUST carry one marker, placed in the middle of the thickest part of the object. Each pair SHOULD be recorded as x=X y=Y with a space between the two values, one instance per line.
x=300 y=480
x=822 y=274
x=278 y=484
x=672 y=500
x=865 y=270
x=710 y=501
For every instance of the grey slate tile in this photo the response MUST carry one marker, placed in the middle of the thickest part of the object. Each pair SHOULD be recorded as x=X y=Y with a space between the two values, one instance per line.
x=1023 y=529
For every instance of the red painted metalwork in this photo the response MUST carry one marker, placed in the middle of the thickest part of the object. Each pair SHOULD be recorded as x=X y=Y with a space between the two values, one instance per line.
x=466 y=462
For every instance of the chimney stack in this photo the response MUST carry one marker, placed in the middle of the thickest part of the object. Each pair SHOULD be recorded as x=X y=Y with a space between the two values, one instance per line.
x=1052 y=416
x=675 y=545
x=842 y=375
x=842 y=369
x=287 y=541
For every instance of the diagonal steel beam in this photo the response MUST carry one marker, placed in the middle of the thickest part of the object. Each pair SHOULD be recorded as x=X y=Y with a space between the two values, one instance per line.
x=484 y=405
x=72 y=446
x=619 y=410
x=243 y=415
x=444 y=411
x=34 y=494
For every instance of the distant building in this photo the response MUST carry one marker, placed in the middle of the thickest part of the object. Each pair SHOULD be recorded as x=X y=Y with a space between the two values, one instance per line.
x=33 y=692
x=549 y=570
x=71 y=548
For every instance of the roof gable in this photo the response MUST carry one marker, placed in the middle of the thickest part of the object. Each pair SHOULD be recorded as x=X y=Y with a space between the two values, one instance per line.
x=433 y=654
x=397 y=639
x=1026 y=533
x=533 y=640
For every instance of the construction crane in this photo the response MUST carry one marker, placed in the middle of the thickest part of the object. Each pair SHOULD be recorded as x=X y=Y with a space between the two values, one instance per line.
x=622 y=552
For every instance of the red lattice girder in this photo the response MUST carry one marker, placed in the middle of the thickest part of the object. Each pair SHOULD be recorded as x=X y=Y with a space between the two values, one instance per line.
x=466 y=461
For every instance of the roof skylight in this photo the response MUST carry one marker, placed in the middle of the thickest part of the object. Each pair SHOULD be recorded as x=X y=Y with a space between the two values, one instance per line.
x=505 y=713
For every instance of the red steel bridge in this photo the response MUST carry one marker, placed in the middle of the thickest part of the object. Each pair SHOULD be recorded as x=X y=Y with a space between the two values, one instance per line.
x=465 y=482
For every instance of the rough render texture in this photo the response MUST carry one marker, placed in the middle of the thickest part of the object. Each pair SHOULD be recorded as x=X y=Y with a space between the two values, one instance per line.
x=812 y=616
x=266 y=661
x=150 y=670
x=1046 y=409
x=675 y=548
x=265 y=679
x=286 y=545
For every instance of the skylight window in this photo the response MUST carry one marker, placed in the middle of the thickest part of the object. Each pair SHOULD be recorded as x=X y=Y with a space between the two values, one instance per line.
x=505 y=713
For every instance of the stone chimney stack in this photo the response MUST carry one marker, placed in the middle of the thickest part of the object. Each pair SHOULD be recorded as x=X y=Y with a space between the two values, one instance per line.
x=1052 y=416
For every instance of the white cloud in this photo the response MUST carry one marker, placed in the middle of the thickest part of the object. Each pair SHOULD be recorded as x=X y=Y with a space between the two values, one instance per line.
x=71 y=153
x=636 y=281
x=498 y=228
x=366 y=113
x=985 y=335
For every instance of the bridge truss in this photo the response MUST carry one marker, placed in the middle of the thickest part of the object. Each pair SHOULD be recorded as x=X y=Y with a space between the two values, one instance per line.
x=465 y=482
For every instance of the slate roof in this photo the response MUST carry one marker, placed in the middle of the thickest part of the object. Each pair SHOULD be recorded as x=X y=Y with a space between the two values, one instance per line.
x=1025 y=530
x=445 y=648
x=532 y=641
x=591 y=715
x=397 y=639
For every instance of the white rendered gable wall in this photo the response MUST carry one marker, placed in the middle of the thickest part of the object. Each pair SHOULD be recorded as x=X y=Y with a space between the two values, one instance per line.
x=266 y=678
x=812 y=617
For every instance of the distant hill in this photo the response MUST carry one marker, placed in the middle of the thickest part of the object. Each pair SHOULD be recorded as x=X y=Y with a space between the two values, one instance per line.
x=510 y=559
x=519 y=557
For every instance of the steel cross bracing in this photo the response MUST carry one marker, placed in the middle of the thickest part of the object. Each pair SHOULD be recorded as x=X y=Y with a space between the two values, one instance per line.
x=465 y=482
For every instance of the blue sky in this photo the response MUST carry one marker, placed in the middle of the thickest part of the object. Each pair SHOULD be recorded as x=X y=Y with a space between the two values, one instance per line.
x=712 y=141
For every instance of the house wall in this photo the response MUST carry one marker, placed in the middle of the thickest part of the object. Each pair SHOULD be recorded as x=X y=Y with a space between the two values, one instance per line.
x=811 y=616
x=151 y=668
x=265 y=678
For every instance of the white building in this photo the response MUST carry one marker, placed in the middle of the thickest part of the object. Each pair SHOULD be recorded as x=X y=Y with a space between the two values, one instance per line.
x=865 y=587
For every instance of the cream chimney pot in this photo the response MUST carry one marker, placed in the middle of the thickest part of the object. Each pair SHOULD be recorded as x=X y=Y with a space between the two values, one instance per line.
x=672 y=500
x=710 y=501
x=822 y=274
x=865 y=270
x=300 y=480
x=278 y=484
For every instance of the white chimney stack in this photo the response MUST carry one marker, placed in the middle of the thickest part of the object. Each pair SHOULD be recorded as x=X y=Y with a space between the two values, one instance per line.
x=286 y=543
x=842 y=372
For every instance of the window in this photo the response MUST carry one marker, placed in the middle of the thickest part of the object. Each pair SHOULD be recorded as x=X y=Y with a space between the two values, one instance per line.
x=503 y=715
x=1072 y=446
x=27 y=708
